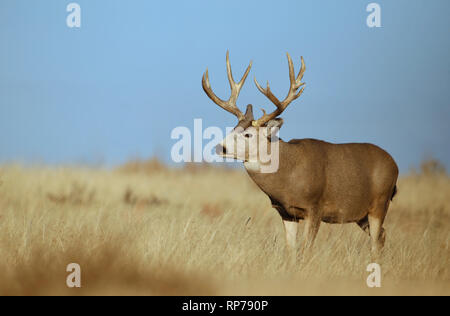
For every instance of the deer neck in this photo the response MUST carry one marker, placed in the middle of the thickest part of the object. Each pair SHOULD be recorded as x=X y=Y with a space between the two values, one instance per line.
x=258 y=167
x=273 y=184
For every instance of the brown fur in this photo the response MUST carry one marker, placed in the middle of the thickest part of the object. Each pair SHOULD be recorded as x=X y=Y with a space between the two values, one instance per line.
x=338 y=182
x=333 y=183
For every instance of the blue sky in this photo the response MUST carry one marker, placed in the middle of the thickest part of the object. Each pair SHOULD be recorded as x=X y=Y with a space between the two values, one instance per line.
x=115 y=88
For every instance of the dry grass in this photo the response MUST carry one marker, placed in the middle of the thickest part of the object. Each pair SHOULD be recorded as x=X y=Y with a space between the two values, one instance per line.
x=209 y=232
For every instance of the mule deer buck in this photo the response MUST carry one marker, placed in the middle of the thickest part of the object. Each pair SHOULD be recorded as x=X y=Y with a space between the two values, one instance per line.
x=316 y=181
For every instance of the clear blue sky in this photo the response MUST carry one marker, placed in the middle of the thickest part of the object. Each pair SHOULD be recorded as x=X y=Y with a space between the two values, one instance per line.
x=115 y=88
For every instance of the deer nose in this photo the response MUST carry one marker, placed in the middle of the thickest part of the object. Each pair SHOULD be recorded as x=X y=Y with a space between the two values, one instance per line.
x=221 y=150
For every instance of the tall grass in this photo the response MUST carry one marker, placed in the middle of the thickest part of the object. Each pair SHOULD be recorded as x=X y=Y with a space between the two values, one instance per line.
x=153 y=230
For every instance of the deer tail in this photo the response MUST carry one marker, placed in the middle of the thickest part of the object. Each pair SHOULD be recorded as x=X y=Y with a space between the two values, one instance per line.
x=394 y=192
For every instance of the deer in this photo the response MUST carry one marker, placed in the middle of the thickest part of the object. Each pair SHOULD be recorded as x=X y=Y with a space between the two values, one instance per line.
x=315 y=181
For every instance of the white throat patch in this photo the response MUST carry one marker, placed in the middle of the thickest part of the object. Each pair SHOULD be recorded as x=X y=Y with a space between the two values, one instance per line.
x=253 y=166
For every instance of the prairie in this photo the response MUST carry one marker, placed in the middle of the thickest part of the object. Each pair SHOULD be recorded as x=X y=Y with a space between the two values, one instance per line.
x=145 y=229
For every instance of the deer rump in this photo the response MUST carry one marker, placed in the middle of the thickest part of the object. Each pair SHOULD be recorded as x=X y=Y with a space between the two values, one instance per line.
x=341 y=183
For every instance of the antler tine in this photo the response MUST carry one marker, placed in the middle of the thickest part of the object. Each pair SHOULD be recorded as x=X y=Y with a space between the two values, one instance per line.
x=235 y=87
x=230 y=104
x=301 y=71
x=291 y=71
x=295 y=84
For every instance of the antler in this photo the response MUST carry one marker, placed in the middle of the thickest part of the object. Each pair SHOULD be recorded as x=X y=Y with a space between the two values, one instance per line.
x=292 y=95
x=230 y=104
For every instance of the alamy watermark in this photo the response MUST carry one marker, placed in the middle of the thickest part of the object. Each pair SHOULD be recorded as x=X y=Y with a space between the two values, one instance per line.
x=74 y=278
x=374 y=18
x=74 y=17
x=257 y=147
x=374 y=278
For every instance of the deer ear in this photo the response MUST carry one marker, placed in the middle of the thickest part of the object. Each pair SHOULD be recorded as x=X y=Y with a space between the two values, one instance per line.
x=248 y=118
x=273 y=126
x=249 y=113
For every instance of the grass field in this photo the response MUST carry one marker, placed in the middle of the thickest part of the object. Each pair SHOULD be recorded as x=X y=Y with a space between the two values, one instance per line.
x=145 y=229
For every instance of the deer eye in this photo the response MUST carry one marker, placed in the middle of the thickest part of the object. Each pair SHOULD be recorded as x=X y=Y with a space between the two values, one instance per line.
x=248 y=135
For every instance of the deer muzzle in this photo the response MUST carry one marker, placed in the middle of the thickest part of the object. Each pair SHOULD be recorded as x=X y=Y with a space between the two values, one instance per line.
x=221 y=150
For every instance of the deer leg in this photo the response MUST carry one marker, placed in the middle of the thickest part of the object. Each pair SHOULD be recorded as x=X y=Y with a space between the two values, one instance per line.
x=290 y=228
x=312 y=225
x=377 y=233
x=376 y=219
x=364 y=225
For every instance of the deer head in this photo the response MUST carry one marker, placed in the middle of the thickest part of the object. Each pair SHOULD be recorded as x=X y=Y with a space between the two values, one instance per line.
x=250 y=136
